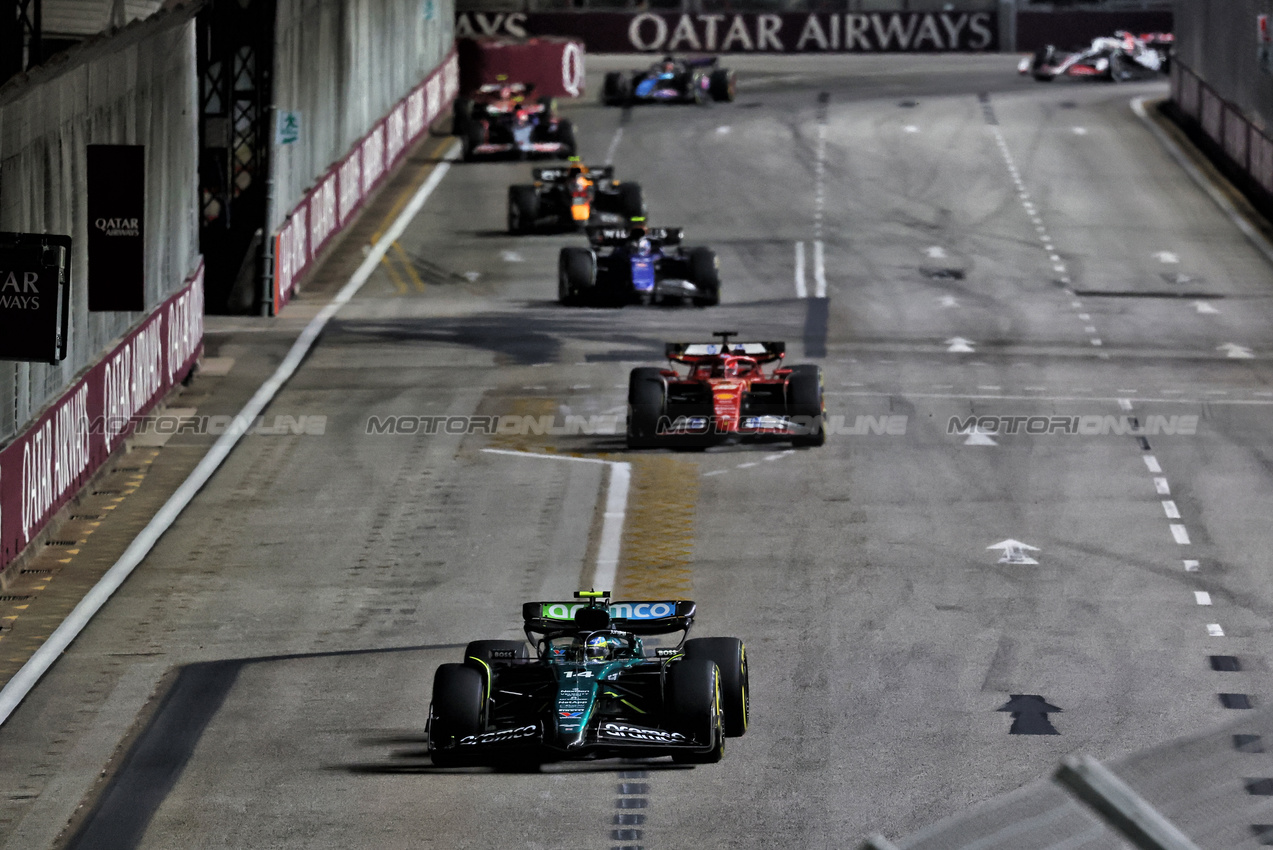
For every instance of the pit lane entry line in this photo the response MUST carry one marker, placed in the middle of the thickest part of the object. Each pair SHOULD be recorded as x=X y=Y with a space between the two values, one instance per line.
x=607 y=566
x=26 y=678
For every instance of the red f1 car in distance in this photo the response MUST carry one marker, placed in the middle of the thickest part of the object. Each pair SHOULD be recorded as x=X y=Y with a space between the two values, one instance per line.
x=499 y=119
x=1123 y=57
x=726 y=397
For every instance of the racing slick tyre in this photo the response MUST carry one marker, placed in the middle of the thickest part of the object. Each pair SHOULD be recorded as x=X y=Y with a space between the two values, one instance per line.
x=477 y=654
x=723 y=85
x=695 y=709
x=705 y=275
x=459 y=696
x=576 y=275
x=1042 y=58
x=566 y=135
x=523 y=209
x=647 y=404
x=474 y=135
x=698 y=89
x=631 y=201
x=730 y=657
x=617 y=89
x=805 y=400
x=461 y=117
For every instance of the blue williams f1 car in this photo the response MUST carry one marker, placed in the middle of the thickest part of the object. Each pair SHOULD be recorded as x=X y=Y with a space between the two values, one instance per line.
x=671 y=81
x=591 y=689
x=640 y=264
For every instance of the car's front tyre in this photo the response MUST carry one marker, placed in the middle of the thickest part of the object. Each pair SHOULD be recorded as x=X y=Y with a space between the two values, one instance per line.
x=459 y=697
x=695 y=708
x=730 y=657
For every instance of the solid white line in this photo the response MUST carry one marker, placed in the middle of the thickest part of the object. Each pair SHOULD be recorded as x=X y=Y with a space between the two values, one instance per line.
x=988 y=397
x=26 y=678
x=607 y=565
x=1152 y=463
x=1202 y=597
x=819 y=270
x=1180 y=533
x=1214 y=630
x=1161 y=487
x=1169 y=508
x=614 y=146
x=1226 y=206
x=802 y=291
x=1191 y=566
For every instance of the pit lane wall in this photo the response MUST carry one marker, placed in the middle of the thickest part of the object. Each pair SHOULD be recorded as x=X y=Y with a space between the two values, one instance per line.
x=363 y=79
x=58 y=453
x=1225 y=96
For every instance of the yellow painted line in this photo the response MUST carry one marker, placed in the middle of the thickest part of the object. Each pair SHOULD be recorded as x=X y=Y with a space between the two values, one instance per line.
x=411 y=188
x=109 y=507
x=409 y=266
x=64 y=560
x=20 y=607
x=399 y=284
x=656 y=559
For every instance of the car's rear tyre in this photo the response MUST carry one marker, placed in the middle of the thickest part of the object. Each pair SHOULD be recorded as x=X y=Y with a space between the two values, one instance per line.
x=474 y=135
x=647 y=404
x=461 y=117
x=523 y=209
x=576 y=275
x=695 y=708
x=616 y=89
x=805 y=400
x=459 y=698
x=631 y=200
x=705 y=275
x=730 y=657
x=723 y=85
x=566 y=135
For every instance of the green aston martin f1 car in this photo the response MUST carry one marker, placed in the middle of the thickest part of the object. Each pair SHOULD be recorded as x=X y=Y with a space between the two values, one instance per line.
x=591 y=689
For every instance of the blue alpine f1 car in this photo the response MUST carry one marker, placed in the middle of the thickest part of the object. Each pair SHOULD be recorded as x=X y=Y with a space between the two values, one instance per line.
x=591 y=688
x=671 y=81
x=641 y=264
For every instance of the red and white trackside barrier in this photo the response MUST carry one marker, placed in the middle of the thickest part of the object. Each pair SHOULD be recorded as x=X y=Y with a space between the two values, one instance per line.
x=55 y=456
x=329 y=207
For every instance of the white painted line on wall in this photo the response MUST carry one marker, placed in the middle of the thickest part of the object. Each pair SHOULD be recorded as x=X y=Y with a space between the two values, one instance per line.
x=26 y=678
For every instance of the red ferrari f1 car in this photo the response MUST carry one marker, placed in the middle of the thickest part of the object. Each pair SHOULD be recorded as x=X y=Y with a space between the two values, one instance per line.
x=726 y=397
x=500 y=120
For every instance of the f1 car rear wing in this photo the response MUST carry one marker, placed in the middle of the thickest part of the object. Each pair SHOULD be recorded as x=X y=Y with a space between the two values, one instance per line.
x=692 y=352
x=603 y=237
x=640 y=618
x=552 y=175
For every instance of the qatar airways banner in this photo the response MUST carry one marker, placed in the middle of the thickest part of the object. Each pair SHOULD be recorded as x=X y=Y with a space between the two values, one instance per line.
x=47 y=464
x=330 y=206
x=782 y=32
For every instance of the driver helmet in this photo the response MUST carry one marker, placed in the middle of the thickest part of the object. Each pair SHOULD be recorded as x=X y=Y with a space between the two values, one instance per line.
x=598 y=648
x=643 y=247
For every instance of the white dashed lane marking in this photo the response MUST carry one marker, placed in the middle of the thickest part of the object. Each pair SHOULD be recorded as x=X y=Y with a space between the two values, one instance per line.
x=1214 y=630
x=1202 y=597
x=1180 y=533
x=1169 y=508
x=1152 y=463
x=1161 y=487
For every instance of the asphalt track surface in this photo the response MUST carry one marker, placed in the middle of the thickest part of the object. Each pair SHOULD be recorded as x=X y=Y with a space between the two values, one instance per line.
x=989 y=246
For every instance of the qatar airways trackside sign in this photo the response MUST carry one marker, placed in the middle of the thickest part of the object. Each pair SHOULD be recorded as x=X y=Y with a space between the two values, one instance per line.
x=785 y=32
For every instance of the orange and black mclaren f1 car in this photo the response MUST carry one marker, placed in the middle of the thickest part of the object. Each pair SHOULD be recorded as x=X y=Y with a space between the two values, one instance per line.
x=726 y=397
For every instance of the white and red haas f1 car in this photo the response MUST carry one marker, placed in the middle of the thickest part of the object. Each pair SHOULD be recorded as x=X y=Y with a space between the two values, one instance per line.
x=726 y=397
x=1123 y=57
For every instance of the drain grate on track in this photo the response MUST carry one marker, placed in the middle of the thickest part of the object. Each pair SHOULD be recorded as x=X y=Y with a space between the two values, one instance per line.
x=31 y=571
x=13 y=597
x=943 y=274
x=88 y=517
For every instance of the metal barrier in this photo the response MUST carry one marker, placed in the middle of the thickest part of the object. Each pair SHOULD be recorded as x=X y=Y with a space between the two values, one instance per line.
x=1211 y=790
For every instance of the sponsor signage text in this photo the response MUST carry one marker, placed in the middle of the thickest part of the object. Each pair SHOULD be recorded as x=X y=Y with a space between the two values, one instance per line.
x=35 y=278
x=116 y=227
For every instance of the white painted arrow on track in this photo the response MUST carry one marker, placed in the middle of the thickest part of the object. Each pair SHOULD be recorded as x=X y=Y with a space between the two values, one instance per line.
x=960 y=345
x=1014 y=552
x=978 y=437
x=1235 y=351
x=1204 y=307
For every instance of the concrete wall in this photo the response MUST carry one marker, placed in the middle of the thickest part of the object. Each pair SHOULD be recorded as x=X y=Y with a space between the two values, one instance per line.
x=136 y=87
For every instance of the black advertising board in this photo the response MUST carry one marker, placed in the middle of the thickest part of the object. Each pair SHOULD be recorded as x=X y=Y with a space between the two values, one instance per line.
x=748 y=32
x=116 y=227
x=35 y=296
